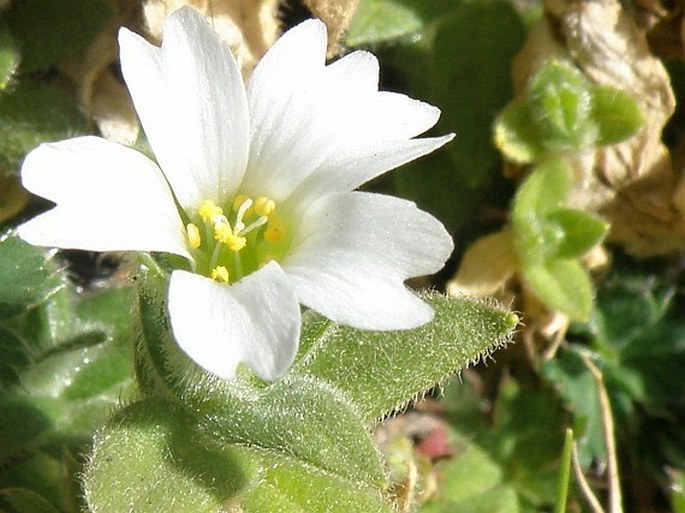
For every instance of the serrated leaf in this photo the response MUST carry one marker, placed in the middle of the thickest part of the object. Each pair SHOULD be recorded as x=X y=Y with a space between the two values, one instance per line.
x=578 y=389
x=560 y=103
x=381 y=371
x=50 y=30
x=28 y=275
x=153 y=451
x=562 y=285
x=616 y=113
x=34 y=113
x=580 y=232
x=515 y=134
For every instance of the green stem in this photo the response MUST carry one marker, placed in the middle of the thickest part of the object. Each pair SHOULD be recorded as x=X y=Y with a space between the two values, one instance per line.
x=564 y=472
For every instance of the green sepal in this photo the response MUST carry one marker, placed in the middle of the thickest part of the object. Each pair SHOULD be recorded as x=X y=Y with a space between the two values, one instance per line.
x=616 y=113
x=579 y=231
x=154 y=452
x=562 y=285
x=378 y=21
x=30 y=277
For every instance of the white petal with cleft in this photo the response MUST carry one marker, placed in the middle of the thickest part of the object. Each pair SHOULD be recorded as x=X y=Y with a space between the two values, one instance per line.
x=327 y=124
x=191 y=100
x=255 y=321
x=109 y=198
x=353 y=252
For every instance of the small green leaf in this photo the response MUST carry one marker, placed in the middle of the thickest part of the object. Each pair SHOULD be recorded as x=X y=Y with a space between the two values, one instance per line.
x=516 y=135
x=379 y=21
x=562 y=285
x=561 y=105
x=28 y=275
x=381 y=372
x=34 y=113
x=543 y=191
x=580 y=232
x=50 y=30
x=616 y=113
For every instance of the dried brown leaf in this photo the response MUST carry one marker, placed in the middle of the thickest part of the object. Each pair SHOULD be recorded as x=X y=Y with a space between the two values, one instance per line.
x=249 y=27
x=337 y=14
x=486 y=266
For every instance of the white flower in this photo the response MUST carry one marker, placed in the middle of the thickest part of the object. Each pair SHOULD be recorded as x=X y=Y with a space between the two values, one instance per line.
x=254 y=186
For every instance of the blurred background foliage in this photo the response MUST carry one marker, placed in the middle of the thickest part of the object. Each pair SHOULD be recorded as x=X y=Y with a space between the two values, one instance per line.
x=598 y=277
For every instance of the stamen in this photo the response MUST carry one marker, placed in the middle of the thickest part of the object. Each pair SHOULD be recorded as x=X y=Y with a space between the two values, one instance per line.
x=254 y=224
x=220 y=274
x=224 y=233
x=263 y=206
x=193 y=233
x=239 y=224
x=238 y=201
x=275 y=230
x=209 y=210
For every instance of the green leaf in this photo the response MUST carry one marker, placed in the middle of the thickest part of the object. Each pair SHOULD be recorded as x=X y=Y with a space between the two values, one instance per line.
x=377 y=21
x=562 y=285
x=578 y=389
x=381 y=372
x=561 y=106
x=616 y=113
x=153 y=451
x=47 y=31
x=506 y=457
x=34 y=113
x=516 y=135
x=472 y=482
x=580 y=232
x=22 y=500
x=473 y=47
x=9 y=58
x=29 y=275
x=543 y=191
x=326 y=433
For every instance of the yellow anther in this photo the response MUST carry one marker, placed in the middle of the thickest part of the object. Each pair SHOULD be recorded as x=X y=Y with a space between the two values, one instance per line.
x=220 y=274
x=238 y=201
x=275 y=230
x=263 y=206
x=224 y=233
x=193 y=233
x=209 y=210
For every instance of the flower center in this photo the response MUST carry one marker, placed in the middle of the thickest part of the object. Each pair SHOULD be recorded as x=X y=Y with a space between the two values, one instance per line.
x=227 y=244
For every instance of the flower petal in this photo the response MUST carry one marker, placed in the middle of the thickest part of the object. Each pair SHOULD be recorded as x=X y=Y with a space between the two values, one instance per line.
x=109 y=197
x=353 y=252
x=327 y=124
x=255 y=321
x=191 y=100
